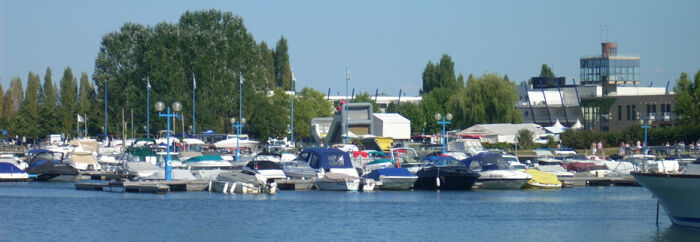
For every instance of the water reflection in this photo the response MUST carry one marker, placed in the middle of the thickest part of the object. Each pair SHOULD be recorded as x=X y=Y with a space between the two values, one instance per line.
x=675 y=233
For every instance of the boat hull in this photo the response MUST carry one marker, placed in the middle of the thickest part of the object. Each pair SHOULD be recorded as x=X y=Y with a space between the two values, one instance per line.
x=54 y=172
x=503 y=183
x=397 y=182
x=679 y=194
x=450 y=179
x=353 y=185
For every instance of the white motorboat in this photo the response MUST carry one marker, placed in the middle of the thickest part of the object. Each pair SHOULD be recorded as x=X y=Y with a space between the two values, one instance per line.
x=557 y=170
x=313 y=163
x=83 y=161
x=393 y=178
x=242 y=182
x=495 y=172
x=207 y=167
x=678 y=193
x=406 y=158
x=232 y=142
x=338 y=182
x=12 y=169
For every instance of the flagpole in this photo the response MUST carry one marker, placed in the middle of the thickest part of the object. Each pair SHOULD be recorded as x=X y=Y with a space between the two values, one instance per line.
x=194 y=105
x=148 y=106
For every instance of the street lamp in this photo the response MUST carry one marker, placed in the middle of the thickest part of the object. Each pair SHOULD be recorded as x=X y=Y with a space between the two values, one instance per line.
x=177 y=106
x=239 y=127
x=444 y=122
x=646 y=124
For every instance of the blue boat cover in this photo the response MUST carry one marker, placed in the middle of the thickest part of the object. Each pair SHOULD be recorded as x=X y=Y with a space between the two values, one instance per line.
x=327 y=158
x=9 y=168
x=487 y=161
x=389 y=172
x=37 y=151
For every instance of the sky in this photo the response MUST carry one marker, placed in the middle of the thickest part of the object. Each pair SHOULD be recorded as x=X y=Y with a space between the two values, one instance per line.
x=386 y=44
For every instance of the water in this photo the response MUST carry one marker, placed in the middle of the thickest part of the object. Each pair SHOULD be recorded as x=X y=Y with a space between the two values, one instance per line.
x=56 y=211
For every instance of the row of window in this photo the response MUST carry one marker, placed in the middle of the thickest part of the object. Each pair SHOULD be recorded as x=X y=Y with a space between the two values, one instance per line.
x=631 y=110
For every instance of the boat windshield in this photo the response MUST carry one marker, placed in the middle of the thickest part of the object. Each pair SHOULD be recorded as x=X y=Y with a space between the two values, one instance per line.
x=405 y=155
x=336 y=160
x=48 y=156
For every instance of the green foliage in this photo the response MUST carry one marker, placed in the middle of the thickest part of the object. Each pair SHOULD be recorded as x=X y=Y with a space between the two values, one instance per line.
x=309 y=104
x=546 y=71
x=525 y=139
x=68 y=98
x=365 y=98
x=29 y=114
x=271 y=117
x=414 y=112
x=551 y=143
x=282 y=69
x=440 y=75
x=211 y=45
x=688 y=100
x=487 y=99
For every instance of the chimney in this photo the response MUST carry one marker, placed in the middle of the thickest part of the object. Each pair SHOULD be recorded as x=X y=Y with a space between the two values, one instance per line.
x=609 y=49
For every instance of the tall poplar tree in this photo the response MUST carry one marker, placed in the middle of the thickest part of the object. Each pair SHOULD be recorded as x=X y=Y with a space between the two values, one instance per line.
x=68 y=101
x=28 y=124
x=48 y=121
x=282 y=69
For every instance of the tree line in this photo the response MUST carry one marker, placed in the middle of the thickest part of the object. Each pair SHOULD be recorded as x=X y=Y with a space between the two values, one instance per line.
x=206 y=52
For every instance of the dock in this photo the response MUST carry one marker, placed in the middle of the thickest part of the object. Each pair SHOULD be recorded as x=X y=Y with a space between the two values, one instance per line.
x=296 y=184
x=582 y=181
x=144 y=186
x=101 y=175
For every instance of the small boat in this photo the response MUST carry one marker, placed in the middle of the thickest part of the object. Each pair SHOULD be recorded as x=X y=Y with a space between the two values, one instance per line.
x=406 y=158
x=242 y=182
x=555 y=169
x=11 y=169
x=241 y=142
x=84 y=161
x=48 y=166
x=495 y=172
x=338 y=182
x=313 y=163
x=265 y=169
x=445 y=173
x=542 y=180
x=393 y=178
x=678 y=193
x=207 y=167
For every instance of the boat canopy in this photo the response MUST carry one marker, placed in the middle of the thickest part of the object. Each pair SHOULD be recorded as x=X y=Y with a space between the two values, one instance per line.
x=326 y=158
x=437 y=160
x=204 y=158
x=37 y=151
x=376 y=174
x=263 y=165
x=487 y=161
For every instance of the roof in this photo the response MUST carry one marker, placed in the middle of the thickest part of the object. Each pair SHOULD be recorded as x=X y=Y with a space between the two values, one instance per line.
x=325 y=153
x=391 y=117
x=502 y=129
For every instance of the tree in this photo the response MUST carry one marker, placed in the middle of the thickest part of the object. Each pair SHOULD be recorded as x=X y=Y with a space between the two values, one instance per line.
x=546 y=71
x=309 y=104
x=525 y=139
x=688 y=100
x=487 y=99
x=29 y=125
x=271 y=117
x=282 y=69
x=2 y=103
x=68 y=99
x=48 y=121
x=440 y=75
x=414 y=113
x=365 y=98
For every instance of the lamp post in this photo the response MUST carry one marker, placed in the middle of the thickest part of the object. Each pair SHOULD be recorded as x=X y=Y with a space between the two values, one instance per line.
x=444 y=122
x=345 y=112
x=646 y=124
x=148 y=106
x=177 y=106
x=294 y=92
x=239 y=127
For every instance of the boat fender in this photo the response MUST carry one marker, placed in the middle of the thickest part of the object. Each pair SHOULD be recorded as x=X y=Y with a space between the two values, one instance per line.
x=437 y=181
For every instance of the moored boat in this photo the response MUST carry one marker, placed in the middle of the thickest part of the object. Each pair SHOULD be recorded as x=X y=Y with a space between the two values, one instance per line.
x=48 y=166
x=11 y=169
x=393 y=178
x=495 y=172
x=678 y=193
x=444 y=173
x=542 y=180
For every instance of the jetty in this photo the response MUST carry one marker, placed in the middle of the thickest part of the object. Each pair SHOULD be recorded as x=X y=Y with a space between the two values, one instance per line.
x=144 y=186
x=583 y=181
x=296 y=184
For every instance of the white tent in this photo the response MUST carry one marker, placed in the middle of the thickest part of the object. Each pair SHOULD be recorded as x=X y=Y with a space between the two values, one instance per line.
x=495 y=133
x=577 y=125
x=558 y=125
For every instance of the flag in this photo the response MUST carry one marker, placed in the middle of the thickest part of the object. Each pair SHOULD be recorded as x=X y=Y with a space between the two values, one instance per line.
x=194 y=82
x=241 y=77
x=148 y=83
x=347 y=72
x=80 y=119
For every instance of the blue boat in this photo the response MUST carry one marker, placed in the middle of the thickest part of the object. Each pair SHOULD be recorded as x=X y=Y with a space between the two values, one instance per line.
x=11 y=170
x=393 y=178
x=445 y=173
x=47 y=165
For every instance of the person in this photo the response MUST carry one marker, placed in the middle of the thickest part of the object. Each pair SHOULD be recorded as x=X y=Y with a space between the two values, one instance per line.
x=600 y=149
x=622 y=149
x=594 y=151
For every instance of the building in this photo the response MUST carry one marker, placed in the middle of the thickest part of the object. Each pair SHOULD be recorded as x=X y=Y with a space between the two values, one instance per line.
x=608 y=98
x=501 y=133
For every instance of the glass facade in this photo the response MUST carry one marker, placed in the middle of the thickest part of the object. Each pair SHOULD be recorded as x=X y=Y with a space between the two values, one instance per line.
x=609 y=69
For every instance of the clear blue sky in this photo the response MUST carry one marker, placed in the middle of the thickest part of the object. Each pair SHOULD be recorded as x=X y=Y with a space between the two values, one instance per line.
x=386 y=43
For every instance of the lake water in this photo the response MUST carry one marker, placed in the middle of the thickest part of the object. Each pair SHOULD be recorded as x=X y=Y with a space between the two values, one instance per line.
x=57 y=212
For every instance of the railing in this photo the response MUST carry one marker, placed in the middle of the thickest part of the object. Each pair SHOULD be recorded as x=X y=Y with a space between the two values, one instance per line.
x=667 y=116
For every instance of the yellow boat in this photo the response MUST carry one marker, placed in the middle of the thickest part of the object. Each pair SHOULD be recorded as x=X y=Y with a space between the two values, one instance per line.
x=542 y=180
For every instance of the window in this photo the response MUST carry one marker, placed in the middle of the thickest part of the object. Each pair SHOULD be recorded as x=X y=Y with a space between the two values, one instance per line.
x=619 y=112
x=628 y=112
x=313 y=161
x=336 y=160
x=634 y=111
